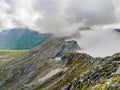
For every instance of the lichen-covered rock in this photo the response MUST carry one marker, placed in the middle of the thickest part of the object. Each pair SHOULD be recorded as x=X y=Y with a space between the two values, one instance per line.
x=103 y=69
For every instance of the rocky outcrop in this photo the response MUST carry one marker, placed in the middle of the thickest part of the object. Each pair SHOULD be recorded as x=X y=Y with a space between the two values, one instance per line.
x=68 y=46
x=104 y=70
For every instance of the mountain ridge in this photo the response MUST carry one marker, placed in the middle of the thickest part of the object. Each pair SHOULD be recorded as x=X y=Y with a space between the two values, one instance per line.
x=38 y=69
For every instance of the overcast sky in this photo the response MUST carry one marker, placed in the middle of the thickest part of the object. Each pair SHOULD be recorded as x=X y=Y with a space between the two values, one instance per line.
x=59 y=15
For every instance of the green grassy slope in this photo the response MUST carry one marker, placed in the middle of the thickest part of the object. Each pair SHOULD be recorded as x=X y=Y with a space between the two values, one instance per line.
x=7 y=55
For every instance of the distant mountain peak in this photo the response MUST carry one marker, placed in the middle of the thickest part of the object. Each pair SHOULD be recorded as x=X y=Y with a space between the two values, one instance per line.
x=21 y=38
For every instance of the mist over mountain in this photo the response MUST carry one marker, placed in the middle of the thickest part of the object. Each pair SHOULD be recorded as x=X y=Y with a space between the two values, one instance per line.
x=60 y=45
x=19 y=39
x=98 y=42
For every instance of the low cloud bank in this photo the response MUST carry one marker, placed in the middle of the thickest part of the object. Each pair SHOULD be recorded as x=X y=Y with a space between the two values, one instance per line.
x=99 y=43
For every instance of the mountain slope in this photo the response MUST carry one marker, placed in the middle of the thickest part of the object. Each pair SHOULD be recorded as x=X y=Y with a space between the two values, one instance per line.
x=19 y=39
x=55 y=65
x=8 y=55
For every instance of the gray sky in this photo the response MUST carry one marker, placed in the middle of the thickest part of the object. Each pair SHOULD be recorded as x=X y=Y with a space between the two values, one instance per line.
x=59 y=16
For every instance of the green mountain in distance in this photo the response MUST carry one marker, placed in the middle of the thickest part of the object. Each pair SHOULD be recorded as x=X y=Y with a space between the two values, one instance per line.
x=21 y=39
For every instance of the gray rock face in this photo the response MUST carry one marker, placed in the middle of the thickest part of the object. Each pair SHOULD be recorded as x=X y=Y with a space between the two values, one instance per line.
x=69 y=58
x=68 y=46
x=106 y=68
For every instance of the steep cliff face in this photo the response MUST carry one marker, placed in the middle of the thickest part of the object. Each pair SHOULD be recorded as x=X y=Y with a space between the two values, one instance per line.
x=55 y=65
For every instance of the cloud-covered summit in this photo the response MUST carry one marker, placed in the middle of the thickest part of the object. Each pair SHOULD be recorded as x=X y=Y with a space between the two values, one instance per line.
x=58 y=15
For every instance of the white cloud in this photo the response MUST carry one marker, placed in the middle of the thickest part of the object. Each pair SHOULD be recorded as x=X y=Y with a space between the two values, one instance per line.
x=58 y=15
x=99 y=42
x=117 y=9
x=94 y=11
